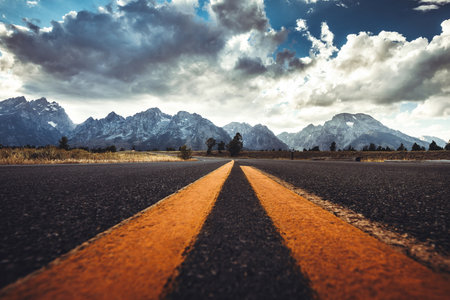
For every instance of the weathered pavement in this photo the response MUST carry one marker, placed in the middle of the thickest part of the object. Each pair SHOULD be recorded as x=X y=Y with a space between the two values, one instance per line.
x=240 y=253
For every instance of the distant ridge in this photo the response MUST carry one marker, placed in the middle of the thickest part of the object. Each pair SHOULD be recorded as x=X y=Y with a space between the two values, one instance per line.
x=356 y=130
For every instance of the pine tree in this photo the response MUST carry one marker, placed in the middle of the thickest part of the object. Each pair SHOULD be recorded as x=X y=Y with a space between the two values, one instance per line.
x=210 y=143
x=64 y=143
x=402 y=148
x=434 y=147
x=235 y=146
x=333 y=146
x=221 y=146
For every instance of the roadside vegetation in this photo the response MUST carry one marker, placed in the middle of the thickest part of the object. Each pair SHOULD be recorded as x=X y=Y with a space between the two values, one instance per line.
x=55 y=155
x=371 y=152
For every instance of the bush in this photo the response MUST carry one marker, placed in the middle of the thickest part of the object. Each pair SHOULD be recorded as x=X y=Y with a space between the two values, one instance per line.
x=185 y=152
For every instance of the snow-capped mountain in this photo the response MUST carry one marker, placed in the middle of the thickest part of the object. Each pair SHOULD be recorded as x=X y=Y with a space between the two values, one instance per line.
x=151 y=129
x=258 y=137
x=357 y=130
x=40 y=122
x=36 y=122
x=428 y=139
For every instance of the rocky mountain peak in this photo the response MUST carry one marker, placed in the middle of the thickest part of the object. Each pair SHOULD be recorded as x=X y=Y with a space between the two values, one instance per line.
x=113 y=117
x=357 y=130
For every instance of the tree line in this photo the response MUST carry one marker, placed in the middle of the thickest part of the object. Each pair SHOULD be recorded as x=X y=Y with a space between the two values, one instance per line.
x=372 y=147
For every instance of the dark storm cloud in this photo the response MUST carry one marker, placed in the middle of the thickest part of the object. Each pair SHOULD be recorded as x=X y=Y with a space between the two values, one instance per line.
x=140 y=38
x=250 y=66
x=288 y=61
x=240 y=16
x=33 y=27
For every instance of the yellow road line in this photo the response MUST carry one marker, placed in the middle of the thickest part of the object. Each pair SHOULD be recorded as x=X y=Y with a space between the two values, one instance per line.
x=341 y=261
x=133 y=260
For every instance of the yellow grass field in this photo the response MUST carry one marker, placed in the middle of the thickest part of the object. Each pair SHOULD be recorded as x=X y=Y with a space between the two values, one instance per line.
x=53 y=155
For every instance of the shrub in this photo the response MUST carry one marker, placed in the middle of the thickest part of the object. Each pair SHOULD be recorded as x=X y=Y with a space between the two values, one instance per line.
x=185 y=152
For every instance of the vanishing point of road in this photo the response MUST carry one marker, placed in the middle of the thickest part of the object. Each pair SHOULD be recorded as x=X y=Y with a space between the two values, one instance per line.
x=219 y=229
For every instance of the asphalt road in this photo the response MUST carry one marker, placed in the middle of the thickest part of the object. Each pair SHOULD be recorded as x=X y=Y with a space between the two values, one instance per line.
x=411 y=198
x=239 y=254
x=48 y=210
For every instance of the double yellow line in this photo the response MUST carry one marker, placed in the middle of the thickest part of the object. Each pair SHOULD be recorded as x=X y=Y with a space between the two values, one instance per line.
x=138 y=257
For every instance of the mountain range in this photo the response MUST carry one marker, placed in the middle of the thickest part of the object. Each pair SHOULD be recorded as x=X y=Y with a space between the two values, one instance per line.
x=258 y=137
x=355 y=130
x=40 y=122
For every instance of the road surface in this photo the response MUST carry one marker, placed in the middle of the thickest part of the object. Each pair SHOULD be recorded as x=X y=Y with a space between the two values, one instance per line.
x=48 y=210
x=411 y=198
x=238 y=248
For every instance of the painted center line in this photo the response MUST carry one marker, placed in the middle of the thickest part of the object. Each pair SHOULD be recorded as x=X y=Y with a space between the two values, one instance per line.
x=134 y=259
x=341 y=261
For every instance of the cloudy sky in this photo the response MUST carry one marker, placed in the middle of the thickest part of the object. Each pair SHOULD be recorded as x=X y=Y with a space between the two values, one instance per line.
x=282 y=63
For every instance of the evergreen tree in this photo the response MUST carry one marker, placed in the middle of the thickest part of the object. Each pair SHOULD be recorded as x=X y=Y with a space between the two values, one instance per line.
x=221 y=146
x=434 y=147
x=64 y=143
x=402 y=148
x=333 y=146
x=210 y=143
x=416 y=147
x=235 y=146
x=372 y=147
x=447 y=147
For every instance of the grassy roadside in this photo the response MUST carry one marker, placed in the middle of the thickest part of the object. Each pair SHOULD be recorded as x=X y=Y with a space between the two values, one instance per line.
x=365 y=156
x=53 y=155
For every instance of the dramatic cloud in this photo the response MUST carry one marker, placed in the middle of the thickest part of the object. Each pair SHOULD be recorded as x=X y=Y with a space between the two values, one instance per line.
x=138 y=39
x=139 y=54
x=240 y=16
x=383 y=68
x=427 y=5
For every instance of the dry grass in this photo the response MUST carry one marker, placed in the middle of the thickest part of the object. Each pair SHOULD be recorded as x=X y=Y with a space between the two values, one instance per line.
x=53 y=155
